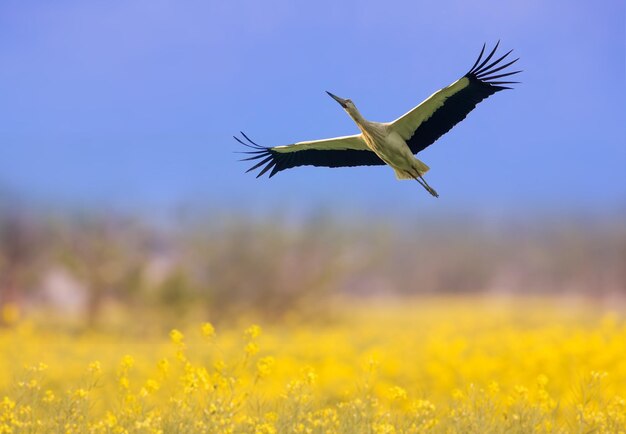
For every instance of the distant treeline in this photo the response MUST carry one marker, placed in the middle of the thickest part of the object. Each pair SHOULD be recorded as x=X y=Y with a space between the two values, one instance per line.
x=79 y=264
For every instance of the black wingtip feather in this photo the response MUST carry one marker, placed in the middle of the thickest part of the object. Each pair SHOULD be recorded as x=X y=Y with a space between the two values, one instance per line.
x=504 y=82
x=262 y=153
x=491 y=68
x=266 y=168
x=240 y=141
x=498 y=60
x=250 y=143
x=248 y=139
x=479 y=68
x=260 y=163
x=256 y=157
x=478 y=59
x=275 y=170
x=483 y=71
x=493 y=77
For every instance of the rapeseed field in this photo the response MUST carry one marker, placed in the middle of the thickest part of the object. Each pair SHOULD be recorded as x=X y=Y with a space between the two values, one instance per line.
x=438 y=365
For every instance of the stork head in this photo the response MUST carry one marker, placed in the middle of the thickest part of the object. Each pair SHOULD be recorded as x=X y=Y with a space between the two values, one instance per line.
x=347 y=104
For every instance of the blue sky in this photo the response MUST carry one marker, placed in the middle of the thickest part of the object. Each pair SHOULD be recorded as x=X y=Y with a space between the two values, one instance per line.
x=134 y=103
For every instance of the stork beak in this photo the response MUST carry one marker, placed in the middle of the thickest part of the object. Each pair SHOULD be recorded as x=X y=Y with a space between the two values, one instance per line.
x=341 y=101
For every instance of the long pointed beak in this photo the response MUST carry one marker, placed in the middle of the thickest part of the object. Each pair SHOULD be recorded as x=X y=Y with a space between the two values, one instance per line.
x=341 y=101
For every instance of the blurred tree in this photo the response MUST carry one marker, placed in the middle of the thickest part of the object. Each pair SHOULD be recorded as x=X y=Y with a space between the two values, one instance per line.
x=19 y=248
x=228 y=265
x=266 y=266
x=108 y=256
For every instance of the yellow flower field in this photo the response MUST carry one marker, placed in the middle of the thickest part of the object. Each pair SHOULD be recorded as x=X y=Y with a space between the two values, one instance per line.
x=453 y=365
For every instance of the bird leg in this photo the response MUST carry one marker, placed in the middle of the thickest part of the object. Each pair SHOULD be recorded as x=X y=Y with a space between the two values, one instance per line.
x=424 y=184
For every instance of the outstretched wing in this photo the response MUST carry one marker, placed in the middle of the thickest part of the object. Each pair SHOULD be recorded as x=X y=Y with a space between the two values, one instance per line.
x=336 y=152
x=435 y=116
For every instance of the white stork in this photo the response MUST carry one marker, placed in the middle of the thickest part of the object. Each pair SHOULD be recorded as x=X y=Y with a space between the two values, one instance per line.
x=393 y=143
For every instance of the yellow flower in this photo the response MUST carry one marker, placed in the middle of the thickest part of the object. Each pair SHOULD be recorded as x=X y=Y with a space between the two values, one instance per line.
x=96 y=368
x=265 y=428
x=30 y=384
x=180 y=355
x=479 y=354
x=521 y=391
x=39 y=367
x=152 y=386
x=207 y=330
x=422 y=406
x=176 y=336
x=110 y=420
x=7 y=404
x=253 y=332
x=270 y=416
x=124 y=383
x=48 y=396
x=164 y=366
x=493 y=388
x=264 y=366
x=251 y=348
x=309 y=375
x=127 y=362
x=80 y=393
x=397 y=393
x=384 y=428
x=597 y=376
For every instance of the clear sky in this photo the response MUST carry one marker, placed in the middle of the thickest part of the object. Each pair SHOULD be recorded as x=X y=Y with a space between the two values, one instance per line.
x=134 y=103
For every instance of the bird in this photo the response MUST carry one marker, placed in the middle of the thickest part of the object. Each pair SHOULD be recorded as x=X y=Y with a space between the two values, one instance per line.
x=392 y=143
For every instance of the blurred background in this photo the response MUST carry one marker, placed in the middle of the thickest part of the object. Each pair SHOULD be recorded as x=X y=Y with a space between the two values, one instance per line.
x=120 y=194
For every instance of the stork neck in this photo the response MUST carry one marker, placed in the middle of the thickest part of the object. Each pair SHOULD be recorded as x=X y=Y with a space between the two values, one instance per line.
x=358 y=119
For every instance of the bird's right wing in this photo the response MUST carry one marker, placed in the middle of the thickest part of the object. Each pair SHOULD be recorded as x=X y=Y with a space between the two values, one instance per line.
x=336 y=152
x=436 y=115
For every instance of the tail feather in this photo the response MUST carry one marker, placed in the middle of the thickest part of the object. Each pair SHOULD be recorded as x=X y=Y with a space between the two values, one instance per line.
x=400 y=175
x=421 y=166
x=418 y=165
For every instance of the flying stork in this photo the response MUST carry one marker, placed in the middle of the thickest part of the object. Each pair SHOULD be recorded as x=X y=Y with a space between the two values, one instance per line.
x=393 y=143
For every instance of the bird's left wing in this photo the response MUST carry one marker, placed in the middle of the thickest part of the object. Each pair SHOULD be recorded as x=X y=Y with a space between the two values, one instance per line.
x=435 y=116
x=336 y=152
